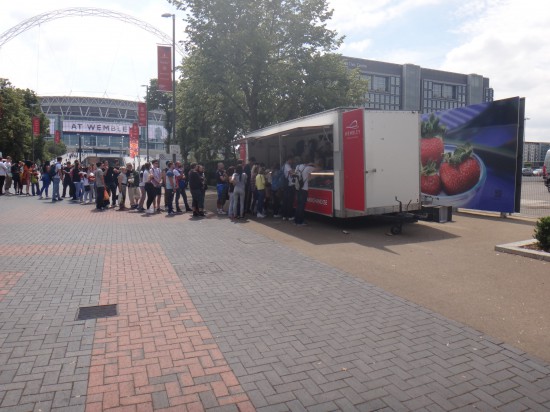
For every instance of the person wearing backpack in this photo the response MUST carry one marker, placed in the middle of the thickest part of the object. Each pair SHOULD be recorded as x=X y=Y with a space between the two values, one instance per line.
x=56 y=179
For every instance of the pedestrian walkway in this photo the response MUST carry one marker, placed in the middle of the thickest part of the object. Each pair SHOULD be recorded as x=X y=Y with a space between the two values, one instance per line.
x=212 y=316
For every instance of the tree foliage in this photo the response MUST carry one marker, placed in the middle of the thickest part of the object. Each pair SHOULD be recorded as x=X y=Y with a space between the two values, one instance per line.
x=17 y=107
x=252 y=63
x=159 y=100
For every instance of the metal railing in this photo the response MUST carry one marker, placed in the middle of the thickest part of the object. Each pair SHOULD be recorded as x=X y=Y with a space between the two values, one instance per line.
x=535 y=197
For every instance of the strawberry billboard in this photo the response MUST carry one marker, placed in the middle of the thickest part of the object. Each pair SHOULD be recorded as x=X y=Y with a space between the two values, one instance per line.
x=470 y=156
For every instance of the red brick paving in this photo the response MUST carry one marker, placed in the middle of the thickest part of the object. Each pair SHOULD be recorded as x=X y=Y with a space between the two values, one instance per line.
x=147 y=358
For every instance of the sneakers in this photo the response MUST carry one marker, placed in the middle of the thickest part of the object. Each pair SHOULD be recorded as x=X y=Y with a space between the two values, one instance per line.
x=260 y=215
x=221 y=212
x=40 y=197
x=285 y=218
x=276 y=216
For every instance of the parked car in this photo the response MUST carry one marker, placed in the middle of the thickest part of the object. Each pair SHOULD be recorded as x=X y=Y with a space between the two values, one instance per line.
x=537 y=172
x=527 y=171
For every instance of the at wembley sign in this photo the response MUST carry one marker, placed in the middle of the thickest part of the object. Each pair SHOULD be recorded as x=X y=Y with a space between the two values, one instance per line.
x=96 y=127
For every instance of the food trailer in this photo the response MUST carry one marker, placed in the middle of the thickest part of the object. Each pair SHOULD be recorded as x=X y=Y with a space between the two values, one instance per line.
x=369 y=160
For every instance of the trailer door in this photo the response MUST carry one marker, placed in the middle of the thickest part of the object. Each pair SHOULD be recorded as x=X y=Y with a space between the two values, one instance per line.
x=354 y=160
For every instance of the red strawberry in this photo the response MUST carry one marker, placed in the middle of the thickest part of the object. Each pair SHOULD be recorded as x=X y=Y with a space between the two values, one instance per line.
x=459 y=171
x=431 y=144
x=430 y=183
x=431 y=150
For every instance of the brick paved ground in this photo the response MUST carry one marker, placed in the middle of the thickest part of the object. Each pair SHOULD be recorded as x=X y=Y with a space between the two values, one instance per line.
x=212 y=316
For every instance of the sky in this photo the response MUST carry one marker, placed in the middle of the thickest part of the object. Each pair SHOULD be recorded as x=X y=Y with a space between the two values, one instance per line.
x=507 y=41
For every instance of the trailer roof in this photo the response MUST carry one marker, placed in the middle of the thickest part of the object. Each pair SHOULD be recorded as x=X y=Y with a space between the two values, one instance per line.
x=302 y=125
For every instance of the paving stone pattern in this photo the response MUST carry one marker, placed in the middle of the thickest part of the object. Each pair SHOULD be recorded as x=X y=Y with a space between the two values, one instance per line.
x=213 y=316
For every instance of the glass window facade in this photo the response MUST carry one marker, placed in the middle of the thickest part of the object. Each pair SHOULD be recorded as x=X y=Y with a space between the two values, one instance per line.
x=438 y=96
x=384 y=92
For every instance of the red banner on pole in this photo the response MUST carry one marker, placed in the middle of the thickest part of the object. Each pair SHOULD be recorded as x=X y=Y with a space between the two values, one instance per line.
x=36 y=125
x=142 y=114
x=164 y=54
x=134 y=140
x=57 y=138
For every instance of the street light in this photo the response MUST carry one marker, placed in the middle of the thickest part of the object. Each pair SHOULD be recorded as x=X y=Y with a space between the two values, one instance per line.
x=173 y=75
x=146 y=118
x=33 y=105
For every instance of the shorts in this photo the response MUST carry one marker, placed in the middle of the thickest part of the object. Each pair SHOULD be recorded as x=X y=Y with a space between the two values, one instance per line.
x=222 y=190
x=158 y=191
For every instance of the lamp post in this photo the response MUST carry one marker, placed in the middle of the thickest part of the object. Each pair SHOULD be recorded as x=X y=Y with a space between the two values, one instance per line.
x=79 y=148
x=33 y=105
x=146 y=118
x=173 y=75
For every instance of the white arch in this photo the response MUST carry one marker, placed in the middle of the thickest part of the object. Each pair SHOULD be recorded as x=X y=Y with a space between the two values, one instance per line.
x=83 y=11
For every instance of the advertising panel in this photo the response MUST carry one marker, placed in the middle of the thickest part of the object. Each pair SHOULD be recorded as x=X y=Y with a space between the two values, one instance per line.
x=134 y=140
x=164 y=65
x=142 y=114
x=354 y=160
x=320 y=201
x=36 y=125
x=469 y=156
x=57 y=138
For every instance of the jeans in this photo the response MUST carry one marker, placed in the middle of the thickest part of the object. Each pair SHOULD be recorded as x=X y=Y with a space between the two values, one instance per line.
x=99 y=200
x=142 y=197
x=168 y=199
x=35 y=188
x=300 y=206
x=87 y=195
x=77 y=191
x=45 y=187
x=261 y=199
x=288 y=201
x=181 y=192
x=55 y=192
x=238 y=201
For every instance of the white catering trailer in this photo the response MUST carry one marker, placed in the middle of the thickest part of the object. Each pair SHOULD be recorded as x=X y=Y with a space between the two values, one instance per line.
x=369 y=160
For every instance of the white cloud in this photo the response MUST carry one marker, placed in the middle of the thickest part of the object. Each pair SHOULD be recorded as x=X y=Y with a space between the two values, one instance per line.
x=508 y=43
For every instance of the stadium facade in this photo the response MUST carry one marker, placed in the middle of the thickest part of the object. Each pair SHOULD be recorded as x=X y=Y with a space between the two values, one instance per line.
x=101 y=125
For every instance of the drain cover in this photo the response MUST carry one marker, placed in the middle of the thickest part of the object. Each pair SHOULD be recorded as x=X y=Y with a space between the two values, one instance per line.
x=95 y=312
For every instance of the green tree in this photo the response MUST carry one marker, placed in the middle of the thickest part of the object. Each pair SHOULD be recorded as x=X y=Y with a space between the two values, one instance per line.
x=52 y=150
x=260 y=62
x=17 y=107
x=159 y=100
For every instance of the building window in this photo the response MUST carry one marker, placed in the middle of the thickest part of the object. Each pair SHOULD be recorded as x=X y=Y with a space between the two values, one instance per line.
x=379 y=83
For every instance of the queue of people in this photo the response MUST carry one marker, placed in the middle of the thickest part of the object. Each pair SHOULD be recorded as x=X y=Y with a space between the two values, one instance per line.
x=245 y=189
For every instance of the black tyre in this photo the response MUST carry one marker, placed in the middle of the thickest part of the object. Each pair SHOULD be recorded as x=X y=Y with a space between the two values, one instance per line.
x=395 y=230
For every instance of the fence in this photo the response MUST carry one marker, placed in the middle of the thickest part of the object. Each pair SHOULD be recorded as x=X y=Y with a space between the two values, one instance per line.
x=535 y=197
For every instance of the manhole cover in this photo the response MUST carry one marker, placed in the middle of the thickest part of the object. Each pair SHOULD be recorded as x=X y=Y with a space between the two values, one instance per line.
x=95 y=312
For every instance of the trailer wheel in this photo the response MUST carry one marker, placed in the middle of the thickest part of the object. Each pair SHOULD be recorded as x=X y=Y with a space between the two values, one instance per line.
x=395 y=230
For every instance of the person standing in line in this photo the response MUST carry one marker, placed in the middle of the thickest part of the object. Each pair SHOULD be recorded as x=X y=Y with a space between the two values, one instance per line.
x=289 y=189
x=195 y=186
x=150 y=189
x=260 y=192
x=122 y=186
x=142 y=191
x=239 y=180
x=35 y=176
x=3 y=174
x=133 y=185
x=170 y=183
x=231 y=187
x=46 y=181
x=100 y=187
x=77 y=182
x=221 y=188
x=57 y=176
x=305 y=171
x=66 y=178
x=247 y=169
x=156 y=180
x=87 y=190
x=8 y=181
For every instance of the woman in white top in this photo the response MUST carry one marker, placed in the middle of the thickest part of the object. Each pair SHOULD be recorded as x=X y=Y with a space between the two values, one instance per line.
x=239 y=181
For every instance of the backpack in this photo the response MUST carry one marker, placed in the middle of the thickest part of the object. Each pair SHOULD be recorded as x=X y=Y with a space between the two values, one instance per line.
x=277 y=179
x=298 y=178
x=52 y=171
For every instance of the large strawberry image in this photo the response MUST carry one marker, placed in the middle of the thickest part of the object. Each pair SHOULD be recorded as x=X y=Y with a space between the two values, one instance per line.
x=459 y=171
x=431 y=144
x=430 y=182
